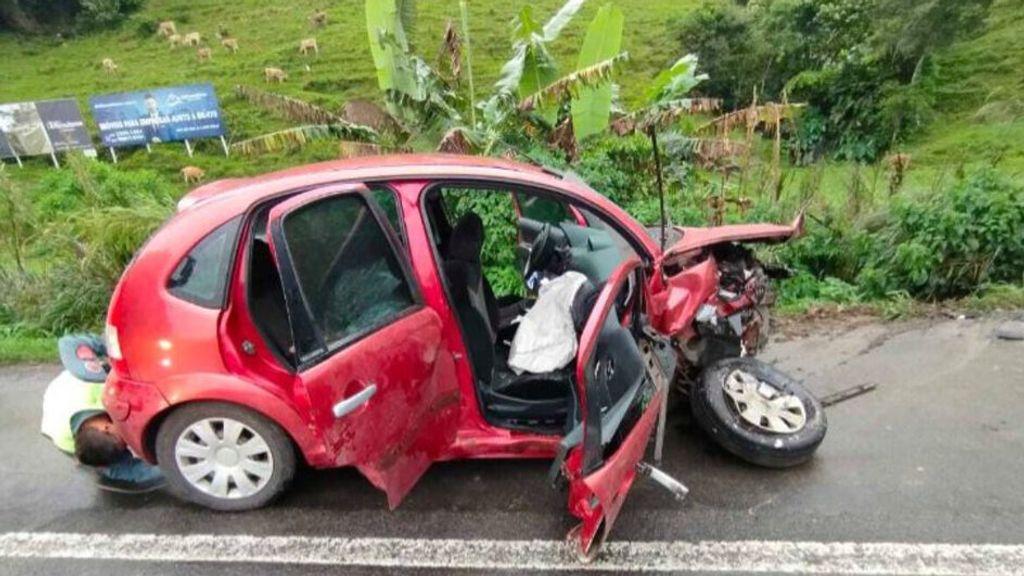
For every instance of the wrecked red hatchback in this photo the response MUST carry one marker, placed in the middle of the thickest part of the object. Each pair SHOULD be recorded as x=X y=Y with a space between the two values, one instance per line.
x=339 y=314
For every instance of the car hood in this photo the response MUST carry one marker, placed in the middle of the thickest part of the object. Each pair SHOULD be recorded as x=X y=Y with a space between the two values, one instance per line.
x=700 y=237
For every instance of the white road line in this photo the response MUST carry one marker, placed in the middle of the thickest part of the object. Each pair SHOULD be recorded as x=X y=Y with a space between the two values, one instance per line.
x=723 y=556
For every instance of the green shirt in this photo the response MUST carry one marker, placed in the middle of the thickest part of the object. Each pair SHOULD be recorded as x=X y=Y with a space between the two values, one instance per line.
x=67 y=403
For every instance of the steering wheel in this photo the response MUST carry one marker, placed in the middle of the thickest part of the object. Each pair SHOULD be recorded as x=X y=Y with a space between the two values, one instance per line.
x=539 y=251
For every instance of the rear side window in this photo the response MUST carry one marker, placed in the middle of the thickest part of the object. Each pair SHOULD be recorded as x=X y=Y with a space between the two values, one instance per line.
x=349 y=275
x=388 y=201
x=202 y=275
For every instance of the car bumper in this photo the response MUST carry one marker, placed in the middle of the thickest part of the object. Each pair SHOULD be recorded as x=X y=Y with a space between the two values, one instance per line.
x=132 y=406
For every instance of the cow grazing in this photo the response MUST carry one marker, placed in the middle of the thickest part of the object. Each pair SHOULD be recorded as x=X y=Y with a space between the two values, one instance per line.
x=274 y=75
x=204 y=54
x=192 y=174
x=230 y=44
x=193 y=38
x=109 y=66
x=175 y=40
x=309 y=45
x=166 y=28
x=318 y=19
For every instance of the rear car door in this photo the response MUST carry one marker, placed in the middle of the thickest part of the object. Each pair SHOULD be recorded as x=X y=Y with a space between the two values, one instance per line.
x=369 y=355
x=621 y=386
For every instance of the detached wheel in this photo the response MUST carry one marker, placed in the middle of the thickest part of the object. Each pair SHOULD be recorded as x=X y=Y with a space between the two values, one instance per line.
x=224 y=457
x=758 y=413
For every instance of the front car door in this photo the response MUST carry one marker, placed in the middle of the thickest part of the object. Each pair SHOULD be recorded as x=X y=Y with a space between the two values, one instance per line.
x=370 y=356
x=621 y=387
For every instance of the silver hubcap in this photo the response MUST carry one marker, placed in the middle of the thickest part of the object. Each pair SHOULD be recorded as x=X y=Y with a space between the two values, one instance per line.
x=763 y=405
x=224 y=458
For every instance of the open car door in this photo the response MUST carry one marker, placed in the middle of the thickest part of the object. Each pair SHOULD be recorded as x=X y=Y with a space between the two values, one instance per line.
x=368 y=354
x=621 y=387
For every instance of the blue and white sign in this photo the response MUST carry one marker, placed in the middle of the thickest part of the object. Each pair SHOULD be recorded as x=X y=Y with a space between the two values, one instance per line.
x=160 y=115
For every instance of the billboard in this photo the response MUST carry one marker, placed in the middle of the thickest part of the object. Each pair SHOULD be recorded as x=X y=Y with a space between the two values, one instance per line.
x=36 y=128
x=23 y=130
x=64 y=125
x=5 y=147
x=159 y=115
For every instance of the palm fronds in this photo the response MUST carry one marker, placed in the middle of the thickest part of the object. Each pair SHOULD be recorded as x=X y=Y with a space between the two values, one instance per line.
x=302 y=111
x=663 y=114
x=288 y=139
x=450 y=55
x=571 y=83
x=770 y=114
x=456 y=141
x=709 y=153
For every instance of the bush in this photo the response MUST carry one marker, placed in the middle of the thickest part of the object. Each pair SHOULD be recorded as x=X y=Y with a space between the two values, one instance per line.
x=946 y=244
x=864 y=67
x=97 y=14
x=89 y=220
x=40 y=16
x=950 y=243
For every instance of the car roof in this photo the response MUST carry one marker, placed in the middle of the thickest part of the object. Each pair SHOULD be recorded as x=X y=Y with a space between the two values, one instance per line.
x=213 y=204
x=240 y=193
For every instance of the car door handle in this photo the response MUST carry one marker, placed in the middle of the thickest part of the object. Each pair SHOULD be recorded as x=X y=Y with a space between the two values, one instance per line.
x=349 y=404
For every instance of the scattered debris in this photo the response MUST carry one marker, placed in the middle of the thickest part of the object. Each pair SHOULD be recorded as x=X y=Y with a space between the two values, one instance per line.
x=847 y=393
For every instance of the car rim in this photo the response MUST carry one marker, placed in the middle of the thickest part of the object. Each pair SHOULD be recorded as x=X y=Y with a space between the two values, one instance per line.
x=224 y=458
x=763 y=405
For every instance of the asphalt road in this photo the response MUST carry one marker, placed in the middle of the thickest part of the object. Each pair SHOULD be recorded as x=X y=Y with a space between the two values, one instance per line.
x=934 y=455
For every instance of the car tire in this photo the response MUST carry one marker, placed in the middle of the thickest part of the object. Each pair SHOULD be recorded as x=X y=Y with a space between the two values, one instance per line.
x=224 y=457
x=718 y=413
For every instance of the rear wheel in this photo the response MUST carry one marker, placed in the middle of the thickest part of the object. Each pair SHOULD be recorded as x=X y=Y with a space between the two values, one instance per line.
x=758 y=413
x=224 y=457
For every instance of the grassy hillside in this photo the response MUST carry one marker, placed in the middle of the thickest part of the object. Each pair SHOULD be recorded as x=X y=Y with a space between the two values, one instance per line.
x=981 y=103
x=979 y=119
x=269 y=34
x=981 y=107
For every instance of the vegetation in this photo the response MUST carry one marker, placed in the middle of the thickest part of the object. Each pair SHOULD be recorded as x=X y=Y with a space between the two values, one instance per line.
x=907 y=156
x=866 y=67
x=63 y=16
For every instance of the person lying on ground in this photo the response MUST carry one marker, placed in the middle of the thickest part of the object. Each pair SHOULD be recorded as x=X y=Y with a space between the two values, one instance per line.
x=75 y=421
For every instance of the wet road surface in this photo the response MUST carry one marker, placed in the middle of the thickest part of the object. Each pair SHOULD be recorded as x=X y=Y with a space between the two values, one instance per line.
x=935 y=455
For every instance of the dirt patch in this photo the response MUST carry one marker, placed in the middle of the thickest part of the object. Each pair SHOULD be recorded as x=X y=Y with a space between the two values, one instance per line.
x=824 y=319
x=836 y=319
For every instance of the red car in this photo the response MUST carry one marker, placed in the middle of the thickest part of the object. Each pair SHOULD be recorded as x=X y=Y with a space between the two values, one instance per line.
x=338 y=313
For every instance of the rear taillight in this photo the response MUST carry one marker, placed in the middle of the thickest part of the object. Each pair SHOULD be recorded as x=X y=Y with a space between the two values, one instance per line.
x=113 y=344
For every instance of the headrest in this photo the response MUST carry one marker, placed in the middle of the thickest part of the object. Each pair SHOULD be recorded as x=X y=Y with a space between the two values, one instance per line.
x=467 y=239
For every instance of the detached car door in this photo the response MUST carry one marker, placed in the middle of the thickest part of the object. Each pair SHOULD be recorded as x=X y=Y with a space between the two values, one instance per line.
x=370 y=357
x=621 y=386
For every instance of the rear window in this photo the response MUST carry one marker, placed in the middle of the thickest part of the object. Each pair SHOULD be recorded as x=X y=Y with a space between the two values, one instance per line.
x=202 y=275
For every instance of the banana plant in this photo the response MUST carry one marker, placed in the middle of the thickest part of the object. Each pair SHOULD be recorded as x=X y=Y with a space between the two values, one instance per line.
x=532 y=67
x=530 y=86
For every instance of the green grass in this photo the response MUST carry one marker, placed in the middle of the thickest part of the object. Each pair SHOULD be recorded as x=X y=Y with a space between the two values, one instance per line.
x=16 y=349
x=984 y=71
x=269 y=33
x=978 y=120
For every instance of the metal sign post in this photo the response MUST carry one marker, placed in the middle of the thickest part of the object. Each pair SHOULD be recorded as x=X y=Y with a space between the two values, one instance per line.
x=224 y=144
x=113 y=154
x=188 y=147
x=53 y=156
x=149 y=150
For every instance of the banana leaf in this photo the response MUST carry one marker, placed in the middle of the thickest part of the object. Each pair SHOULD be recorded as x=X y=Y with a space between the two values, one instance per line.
x=592 y=106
